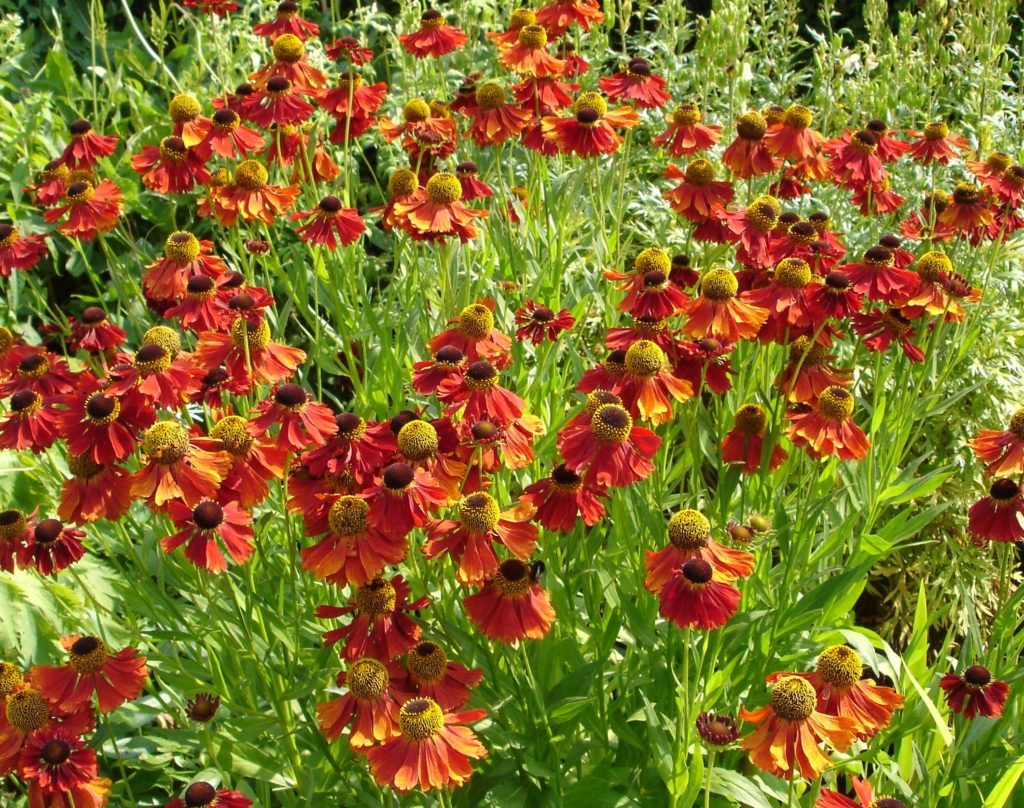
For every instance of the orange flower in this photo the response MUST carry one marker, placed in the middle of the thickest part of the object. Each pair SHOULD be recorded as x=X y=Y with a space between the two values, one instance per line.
x=430 y=673
x=432 y=750
x=248 y=353
x=748 y=156
x=91 y=668
x=287 y=21
x=635 y=82
x=289 y=63
x=808 y=373
x=439 y=213
x=936 y=143
x=717 y=312
x=590 y=130
x=475 y=336
x=251 y=197
x=91 y=209
x=969 y=209
x=86 y=146
x=790 y=729
x=558 y=15
x=371 y=705
x=649 y=385
x=689 y=534
x=744 y=444
x=828 y=429
x=178 y=466
x=512 y=605
x=529 y=55
x=435 y=37
x=844 y=694
x=495 y=120
x=698 y=196
x=1002 y=450
x=793 y=138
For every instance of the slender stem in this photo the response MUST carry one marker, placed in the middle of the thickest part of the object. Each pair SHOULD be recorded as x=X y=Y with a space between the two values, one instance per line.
x=707 y=779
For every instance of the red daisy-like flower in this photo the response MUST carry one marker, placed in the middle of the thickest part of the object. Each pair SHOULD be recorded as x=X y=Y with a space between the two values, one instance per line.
x=475 y=336
x=435 y=37
x=936 y=144
x=86 y=147
x=477 y=392
x=438 y=212
x=330 y=223
x=380 y=626
x=29 y=368
x=512 y=605
x=289 y=63
x=472 y=186
x=353 y=106
x=354 y=551
x=204 y=307
x=422 y=131
x=879 y=328
x=303 y=422
x=495 y=119
x=15 y=532
x=690 y=537
x=792 y=138
x=161 y=379
x=543 y=97
x=50 y=184
x=430 y=673
x=470 y=541
x=828 y=428
x=178 y=466
x=219 y=7
x=834 y=299
x=348 y=49
x=281 y=102
x=371 y=705
x=91 y=668
x=889 y=148
x=975 y=693
x=19 y=251
x=562 y=498
x=431 y=751
x=91 y=209
x=51 y=547
x=201 y=528
x=1002 y=450
x=855 y=162
x=251 y=197
x=558 y=15
x=613 y=451
x=931 y=293
x=635 y=82
x=748 y=155
x=698 y=196
x=752 y=227
x=248 y=353
x=649 y=291
x=685 y=133
x=705 y=364
x=718 y=312
x=287 y=21
x=865 y=798
x=744 y=443
x=692 y=598
x=253 y=461
x=402 y=498
x=103 y=427
x=575 y=65
x=648 y=386
x=537 y=323
x=170 y=168
x=590 y=130
x=969 y=209
x=56 y=762
x=360 y=448
x=184 y=257
x=448 y=362
x=529 y=56
x=877 y=276
x=32 y=422
x=228 y=137
x=784 y=296
x=997 y=517
x=93 y=332
x=203 y=795
x=95 y=491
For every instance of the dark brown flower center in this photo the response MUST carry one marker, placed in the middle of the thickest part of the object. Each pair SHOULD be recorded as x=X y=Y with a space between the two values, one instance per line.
x=398 y=476
x=199 y=794
x=25 y=400
x=290 y=395
x=48 y=531
x=697 y=571
x=330 y=204
x=837 y=280
x=79 y=127
x=1004 y=490
x=84 y=646
x=55 y=752
x=278 y=84
x=100 y=406
x=208 y=515
x=977 y=675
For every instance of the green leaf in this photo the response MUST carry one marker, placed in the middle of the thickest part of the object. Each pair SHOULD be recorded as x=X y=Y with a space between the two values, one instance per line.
x=1006 y=787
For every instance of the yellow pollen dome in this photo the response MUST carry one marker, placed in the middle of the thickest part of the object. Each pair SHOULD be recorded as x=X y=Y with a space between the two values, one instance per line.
x=444 y=189
x=933 y=265
x=183 y=108
x=80 y=191
x=590 y=100
x=479 y=513
x=774 y=114
x=719 y=284
x=11 y=678
x=258 y=335
x=533 y=37
x=793 y=273
x=750 y=420
x=252 y=175
x=232 y=433
x=417 y=440
x=894 y=321
x=439 y=109
x=840 y=666
x=12 y=524
x=181 y=247
x=420 y=718
x=937 y=130
x=416 y=110
x=6 y=339
x=812 y=353
x=165 y=442
x=288 y=48
x=644 y=358
x=52 y=172
x=966 y=193
x=150 y=359
x=347 y=516
x=376 y=597
x=522 y=17
x=700 y=172
x=793 y=698
x=751 y=126
x=797 y=117
x=513 y=578
x=476 y=321
x=999 y=161
x=864 y=142
x=166 y=338
x=219 y=178
x=611 y=423
x=490 y=95
x=689 y=529
x=599 y=398
x=427 y=663
x=367 y=678
x=764 y=212
x=836 y=403
x=652 y=260
x=686 y=115
x=87 y=654
x=82 y=175
x=27 y=710
x=101 y=408
x=432 y=18
x=1017 y=423
x=402 y=182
